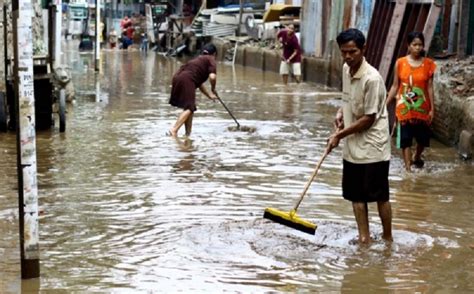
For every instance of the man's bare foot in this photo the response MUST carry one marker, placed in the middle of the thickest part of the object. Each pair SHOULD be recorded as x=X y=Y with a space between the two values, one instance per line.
x=387 y=238
x=364 y=241
x=358 y=241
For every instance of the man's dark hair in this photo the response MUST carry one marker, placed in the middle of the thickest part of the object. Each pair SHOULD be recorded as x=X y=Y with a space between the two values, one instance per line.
x=351 y=35
x=209 y=49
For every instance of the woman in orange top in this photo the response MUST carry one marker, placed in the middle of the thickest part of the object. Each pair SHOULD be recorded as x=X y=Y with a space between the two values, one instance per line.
x=413 y=89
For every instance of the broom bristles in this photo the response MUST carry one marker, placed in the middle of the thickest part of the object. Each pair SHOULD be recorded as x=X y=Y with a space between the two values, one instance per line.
x=294 y=222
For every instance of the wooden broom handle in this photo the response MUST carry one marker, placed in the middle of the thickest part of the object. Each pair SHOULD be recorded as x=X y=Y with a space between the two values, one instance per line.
x=228 y=110
x=315 y=172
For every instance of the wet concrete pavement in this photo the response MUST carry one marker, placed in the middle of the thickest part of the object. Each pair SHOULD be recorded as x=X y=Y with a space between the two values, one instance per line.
x=127 y=208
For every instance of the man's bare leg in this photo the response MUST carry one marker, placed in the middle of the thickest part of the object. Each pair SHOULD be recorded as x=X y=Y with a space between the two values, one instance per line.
x=385 y=213
x=361 y=214
x=181 y=120
x=298 y=79
x=188 y=125
x=285 y=79
x=407 y=158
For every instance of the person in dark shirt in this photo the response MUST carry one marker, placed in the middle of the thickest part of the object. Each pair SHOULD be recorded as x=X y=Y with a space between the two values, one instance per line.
x=186 y=80
x=291 y=57
x=126 y=42
x=86 y=43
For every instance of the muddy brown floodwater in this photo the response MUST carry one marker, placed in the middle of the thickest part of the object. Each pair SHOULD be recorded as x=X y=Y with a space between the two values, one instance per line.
x=126 y=208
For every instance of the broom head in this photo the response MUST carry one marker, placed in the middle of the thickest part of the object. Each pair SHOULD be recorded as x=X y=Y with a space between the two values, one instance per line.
x=290 y=219
x=242 y=129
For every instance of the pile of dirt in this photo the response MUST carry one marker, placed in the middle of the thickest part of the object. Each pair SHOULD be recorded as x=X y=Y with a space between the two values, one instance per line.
x=454 y=99
x=460 y=75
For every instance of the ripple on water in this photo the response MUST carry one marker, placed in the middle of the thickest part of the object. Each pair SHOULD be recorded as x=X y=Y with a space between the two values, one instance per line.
x=271 y=250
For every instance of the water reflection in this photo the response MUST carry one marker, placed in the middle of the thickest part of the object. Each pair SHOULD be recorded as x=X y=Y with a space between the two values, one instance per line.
x=127 y=208
x=355 y=280
x=185 y=163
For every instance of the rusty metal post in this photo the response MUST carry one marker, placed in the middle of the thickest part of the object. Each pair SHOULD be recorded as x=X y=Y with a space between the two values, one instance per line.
x=430 y=24
x=97 y=35
x=391 y=41
x=453 y=27
x=463 y=28
x=5 y=43
x=26 y=138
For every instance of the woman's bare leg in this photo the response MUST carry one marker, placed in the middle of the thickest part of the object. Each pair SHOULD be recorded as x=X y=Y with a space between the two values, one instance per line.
x=188 y=125
x=407 y=158
x=419 y=151
x=182 y=118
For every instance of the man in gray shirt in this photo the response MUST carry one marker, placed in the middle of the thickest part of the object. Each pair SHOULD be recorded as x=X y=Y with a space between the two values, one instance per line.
x=363 y=122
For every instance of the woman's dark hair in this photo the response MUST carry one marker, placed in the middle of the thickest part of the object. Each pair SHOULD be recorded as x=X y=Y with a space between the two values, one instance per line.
x=351 y=35
x=416 y=35
x=413 y=35
x=209 y=49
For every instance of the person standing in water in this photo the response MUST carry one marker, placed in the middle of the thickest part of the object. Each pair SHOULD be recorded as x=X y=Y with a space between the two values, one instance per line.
x=413 y=89
x=291 y=57
x=186 y=80
x=363 y=122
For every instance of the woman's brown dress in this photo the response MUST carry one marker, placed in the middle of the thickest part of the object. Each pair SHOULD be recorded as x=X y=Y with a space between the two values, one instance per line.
x=188 y=78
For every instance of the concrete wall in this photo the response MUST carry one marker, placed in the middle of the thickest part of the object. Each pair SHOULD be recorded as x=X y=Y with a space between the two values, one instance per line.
x=253 y=56
x=271 y=60
x=314 y=69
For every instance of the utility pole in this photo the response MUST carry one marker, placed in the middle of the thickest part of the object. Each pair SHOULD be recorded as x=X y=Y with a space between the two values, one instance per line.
x=26 y=138
x=97 y=36
x=58 y=17
x=241 y=11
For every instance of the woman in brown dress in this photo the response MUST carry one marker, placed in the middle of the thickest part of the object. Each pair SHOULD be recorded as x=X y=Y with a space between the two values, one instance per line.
x=186 y=80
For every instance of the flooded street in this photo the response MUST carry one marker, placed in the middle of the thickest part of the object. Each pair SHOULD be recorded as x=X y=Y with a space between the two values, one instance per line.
x=127 y=208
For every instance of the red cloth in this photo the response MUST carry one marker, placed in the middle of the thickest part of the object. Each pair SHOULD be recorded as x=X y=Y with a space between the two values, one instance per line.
x=130 y=31
x=126 y=22
x=290 y=44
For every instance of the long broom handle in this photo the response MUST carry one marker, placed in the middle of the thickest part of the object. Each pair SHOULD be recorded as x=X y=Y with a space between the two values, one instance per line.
x=315 y=172
x=222 y=102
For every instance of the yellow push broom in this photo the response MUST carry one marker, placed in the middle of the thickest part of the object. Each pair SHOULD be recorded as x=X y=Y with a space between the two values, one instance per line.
x=290 y=218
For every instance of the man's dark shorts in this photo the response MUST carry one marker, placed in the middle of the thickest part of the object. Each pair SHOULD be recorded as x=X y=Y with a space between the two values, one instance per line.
x=421 y=132
x=365 y=182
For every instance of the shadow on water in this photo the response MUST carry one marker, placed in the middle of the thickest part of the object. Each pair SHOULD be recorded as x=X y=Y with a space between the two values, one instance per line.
x=127 y=208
